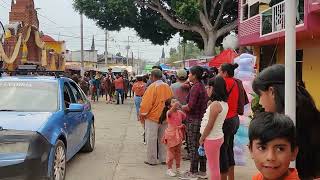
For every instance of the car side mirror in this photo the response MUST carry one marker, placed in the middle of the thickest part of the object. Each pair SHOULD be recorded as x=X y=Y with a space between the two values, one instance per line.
x=75 y=107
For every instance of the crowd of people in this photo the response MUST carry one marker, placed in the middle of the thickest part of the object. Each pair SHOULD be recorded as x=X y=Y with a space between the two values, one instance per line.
x=201 y=110
x=116 y=87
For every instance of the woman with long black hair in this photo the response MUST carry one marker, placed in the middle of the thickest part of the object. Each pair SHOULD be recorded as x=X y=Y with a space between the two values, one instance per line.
x=195 y=108
x=212 y=123
x=269 y=85
x=232 y=122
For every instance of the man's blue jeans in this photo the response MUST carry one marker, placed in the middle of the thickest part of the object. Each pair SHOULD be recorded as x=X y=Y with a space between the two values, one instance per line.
x=137 y=102
x=121 y=93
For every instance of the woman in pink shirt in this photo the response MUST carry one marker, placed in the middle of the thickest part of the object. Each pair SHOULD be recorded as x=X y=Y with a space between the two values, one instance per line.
x=174 y=135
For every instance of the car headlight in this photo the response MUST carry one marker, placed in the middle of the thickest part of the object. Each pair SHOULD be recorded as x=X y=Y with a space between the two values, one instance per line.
x=12 y=141
x=14 y=147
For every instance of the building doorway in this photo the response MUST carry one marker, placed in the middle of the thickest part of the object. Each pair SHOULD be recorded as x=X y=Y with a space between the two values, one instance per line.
x=268 y=56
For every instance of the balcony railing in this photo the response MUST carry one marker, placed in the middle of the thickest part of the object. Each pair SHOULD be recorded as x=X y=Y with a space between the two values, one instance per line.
x=273 y=19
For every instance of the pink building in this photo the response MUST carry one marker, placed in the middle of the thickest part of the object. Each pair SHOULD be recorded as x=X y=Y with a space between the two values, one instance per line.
x=262 y=26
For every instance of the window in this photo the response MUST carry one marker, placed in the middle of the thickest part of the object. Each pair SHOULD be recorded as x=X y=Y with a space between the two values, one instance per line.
x=244 y=10
x=299 y=64
x=68 y=99
x=28 y=96
x=254 y=9
x=77 y=93
x=249 y=9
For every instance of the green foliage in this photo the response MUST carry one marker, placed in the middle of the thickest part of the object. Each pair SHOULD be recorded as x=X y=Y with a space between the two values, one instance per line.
x=109 y=14
x=187 y=10
x=255 y=106
x=191 y=52
x=149 y=24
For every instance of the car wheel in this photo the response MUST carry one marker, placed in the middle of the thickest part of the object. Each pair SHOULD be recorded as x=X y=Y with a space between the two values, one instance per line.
x=90 y=143
x=59 y=162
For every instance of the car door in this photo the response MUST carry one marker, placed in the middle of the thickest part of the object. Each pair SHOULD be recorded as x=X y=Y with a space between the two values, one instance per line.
x=72 y=121
x=84 y=124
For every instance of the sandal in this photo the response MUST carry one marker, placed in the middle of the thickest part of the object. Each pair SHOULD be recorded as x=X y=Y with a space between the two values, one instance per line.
x=147 y=163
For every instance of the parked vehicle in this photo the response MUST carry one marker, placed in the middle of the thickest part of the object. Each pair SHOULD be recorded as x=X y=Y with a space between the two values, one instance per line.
x=44 y=122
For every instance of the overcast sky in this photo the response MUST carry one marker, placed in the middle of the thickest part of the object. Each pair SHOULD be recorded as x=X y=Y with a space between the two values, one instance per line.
x=59 y=20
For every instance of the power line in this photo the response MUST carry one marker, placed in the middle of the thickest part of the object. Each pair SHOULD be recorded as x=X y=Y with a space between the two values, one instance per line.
x=74 y=37
x=47 y=18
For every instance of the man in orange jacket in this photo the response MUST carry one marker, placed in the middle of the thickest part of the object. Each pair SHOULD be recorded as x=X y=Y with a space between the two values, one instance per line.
x=152 y=105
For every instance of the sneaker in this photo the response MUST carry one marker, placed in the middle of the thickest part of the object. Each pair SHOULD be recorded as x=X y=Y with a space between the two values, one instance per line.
x=170 y=173
x=202 y=175
x=186 y=158
x=178 y=172
x=188 y=176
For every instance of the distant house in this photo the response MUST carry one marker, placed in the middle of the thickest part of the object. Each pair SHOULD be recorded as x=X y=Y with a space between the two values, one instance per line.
x=90 y=60
x=57 y=50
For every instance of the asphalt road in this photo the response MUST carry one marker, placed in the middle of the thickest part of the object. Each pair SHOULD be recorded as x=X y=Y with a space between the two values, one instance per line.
x=120 y=153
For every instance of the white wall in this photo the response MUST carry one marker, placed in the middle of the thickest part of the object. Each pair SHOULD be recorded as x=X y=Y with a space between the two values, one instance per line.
x=75 y=56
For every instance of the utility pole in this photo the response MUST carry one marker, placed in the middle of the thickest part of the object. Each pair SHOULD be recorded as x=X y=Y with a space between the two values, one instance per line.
x=138 y=62
x=82 y=55
x=128 y=47
x=132 y=58
x=184 y=54
x=106 y=49
x=290 y=59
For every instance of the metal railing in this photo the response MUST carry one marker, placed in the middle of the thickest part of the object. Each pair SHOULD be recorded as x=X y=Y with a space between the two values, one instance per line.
x=273 y=19
x=278 y=17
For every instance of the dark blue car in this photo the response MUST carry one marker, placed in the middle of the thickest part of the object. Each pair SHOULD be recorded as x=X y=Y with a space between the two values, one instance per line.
x=44 y=122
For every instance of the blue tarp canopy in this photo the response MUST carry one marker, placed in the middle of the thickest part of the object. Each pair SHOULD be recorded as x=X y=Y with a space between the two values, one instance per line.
x=204 y=67
x=165 y=67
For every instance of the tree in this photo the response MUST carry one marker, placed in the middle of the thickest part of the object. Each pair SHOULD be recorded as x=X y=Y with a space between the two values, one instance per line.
x=191 y=52
x=203 y=21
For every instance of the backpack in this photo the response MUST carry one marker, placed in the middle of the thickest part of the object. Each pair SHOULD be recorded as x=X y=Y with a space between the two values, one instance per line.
x=243 y=97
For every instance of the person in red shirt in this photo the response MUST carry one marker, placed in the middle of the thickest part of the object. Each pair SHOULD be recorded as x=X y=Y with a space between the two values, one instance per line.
x=231 y=124
x=138 y=89
x=272 y=145
x=119 y=85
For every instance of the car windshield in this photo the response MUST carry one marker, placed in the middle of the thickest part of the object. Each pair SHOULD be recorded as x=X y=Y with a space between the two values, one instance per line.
x=28 y=96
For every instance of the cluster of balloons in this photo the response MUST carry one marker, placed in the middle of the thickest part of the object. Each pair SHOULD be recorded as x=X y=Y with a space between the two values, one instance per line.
x=230 y=41
x=246 y=73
